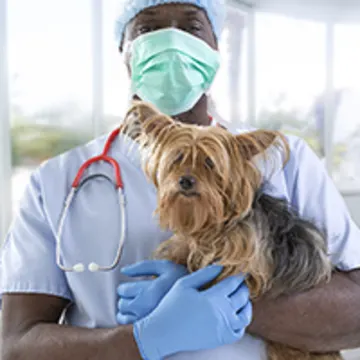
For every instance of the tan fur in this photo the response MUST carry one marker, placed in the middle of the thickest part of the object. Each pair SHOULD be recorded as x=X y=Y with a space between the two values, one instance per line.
x=216 y=223
x=281 y=352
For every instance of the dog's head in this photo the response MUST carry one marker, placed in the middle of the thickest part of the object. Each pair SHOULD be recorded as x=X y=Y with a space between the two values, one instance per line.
x=205 y=176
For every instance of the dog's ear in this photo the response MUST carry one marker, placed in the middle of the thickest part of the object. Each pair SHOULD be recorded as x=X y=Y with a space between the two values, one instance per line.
x=257 y=142
x=143 y=118
x=140 y=111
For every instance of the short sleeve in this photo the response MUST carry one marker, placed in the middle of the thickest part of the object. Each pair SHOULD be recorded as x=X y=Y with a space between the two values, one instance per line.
x=27 y=261
x=315 y=195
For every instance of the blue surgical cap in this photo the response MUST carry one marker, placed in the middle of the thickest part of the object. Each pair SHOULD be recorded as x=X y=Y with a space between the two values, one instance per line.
x=215 y=10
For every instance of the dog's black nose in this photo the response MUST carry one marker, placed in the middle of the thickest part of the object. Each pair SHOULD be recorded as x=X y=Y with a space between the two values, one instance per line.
x=187 y=182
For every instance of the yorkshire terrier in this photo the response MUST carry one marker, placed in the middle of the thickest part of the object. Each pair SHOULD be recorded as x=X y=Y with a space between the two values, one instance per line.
x=210 y=195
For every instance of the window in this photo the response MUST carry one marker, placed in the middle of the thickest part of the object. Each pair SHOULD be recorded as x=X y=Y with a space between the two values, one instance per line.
x=346 y=129
x=116 y=80
x=51 y=71
x=50 y=81
x=228 y=101
x=290 y=76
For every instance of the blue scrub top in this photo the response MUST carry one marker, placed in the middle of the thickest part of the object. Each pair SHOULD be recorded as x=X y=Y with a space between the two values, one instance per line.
x=92 y=231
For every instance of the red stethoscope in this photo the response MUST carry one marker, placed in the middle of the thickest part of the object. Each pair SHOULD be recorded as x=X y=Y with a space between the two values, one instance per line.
x=77 y=184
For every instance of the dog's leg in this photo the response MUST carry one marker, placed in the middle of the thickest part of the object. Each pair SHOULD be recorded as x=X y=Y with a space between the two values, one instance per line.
x=281 y=352
x=174 y=249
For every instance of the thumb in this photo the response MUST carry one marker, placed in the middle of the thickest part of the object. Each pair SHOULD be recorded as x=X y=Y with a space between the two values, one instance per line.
x=146 y=268
x=201 y=277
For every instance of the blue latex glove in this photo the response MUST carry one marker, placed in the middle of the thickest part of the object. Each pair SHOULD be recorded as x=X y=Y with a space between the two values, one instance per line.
x=188 y=319
x=140 y=298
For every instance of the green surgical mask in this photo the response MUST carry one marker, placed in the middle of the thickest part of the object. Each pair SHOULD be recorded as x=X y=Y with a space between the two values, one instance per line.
x=172 y=69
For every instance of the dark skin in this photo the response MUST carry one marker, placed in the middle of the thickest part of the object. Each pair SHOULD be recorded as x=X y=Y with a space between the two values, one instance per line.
x=31 y=331
x=321 y=320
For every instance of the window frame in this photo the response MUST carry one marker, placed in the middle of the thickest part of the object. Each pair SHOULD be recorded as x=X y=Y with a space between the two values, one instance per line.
x=5 y=134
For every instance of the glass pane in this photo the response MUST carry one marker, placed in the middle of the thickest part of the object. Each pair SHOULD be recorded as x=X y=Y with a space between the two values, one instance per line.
x=116 y=81
x=50 y=77
x=290 y=70
x=228 y=102
x=346 y=134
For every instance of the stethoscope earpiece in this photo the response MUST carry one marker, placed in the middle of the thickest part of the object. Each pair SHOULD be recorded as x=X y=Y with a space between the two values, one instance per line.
x=79 y=268
x=93 y=267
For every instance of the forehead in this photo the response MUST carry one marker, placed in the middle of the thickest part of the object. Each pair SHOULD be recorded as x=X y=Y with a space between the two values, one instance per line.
x=171 y=12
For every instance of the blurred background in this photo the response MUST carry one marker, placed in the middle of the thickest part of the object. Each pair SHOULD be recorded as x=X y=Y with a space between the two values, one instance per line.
x=288 y=65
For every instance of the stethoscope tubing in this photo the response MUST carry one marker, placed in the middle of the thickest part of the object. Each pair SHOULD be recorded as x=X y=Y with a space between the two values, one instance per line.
x=77 y=185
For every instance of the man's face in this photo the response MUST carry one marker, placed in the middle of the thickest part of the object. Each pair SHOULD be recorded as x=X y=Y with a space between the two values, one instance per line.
x=185 y=17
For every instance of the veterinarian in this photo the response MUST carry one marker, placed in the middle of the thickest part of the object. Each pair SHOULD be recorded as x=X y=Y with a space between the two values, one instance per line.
x=108 y=317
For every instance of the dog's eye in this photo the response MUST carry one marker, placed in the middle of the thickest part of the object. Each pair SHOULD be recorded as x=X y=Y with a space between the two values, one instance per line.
x=209 y=163
x=179 y=158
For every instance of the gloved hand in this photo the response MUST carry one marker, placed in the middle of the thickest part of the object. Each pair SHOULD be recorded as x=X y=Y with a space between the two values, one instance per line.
x=189 y=320
x=140 y=298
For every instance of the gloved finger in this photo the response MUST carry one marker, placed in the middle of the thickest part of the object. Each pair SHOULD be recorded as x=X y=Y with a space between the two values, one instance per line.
x=244 y=317
x=132 y=289
x=147 y=268
x=227 y=286
x=240 y=297
x=201 y=277
x=126 y=319
x=231 y=336
x=126 y=306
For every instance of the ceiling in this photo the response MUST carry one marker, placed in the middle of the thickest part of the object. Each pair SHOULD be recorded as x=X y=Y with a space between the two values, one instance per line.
x=337 y=10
